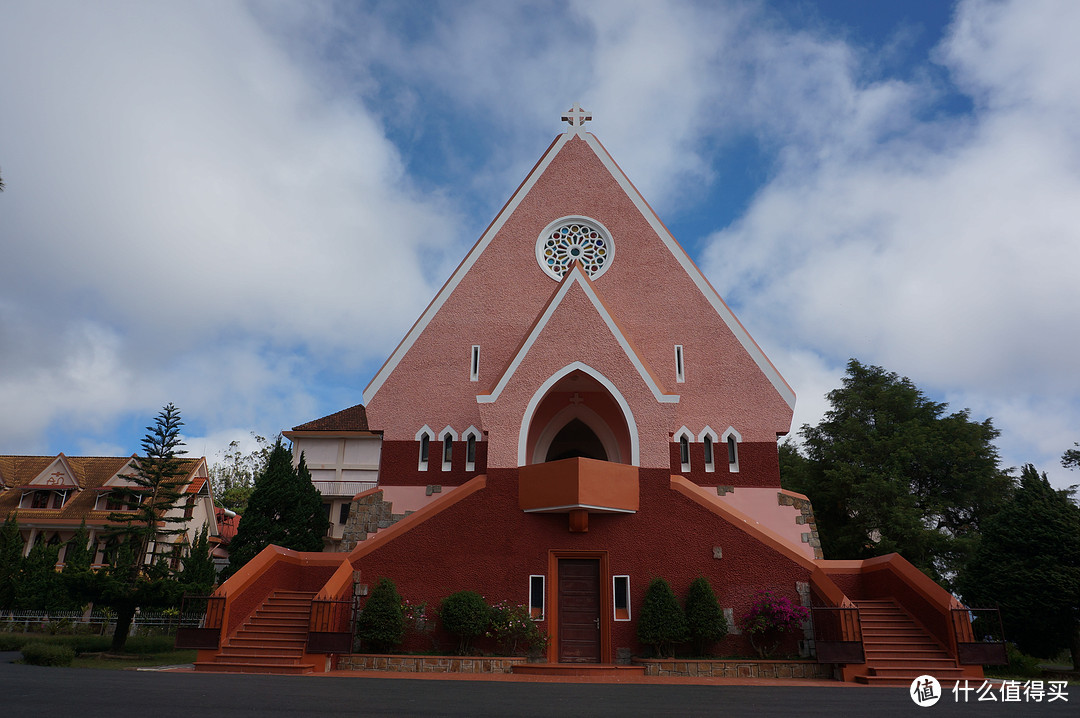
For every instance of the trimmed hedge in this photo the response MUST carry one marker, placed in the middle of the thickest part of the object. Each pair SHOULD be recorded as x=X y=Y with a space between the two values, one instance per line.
x=39 y=653
x=88 y=644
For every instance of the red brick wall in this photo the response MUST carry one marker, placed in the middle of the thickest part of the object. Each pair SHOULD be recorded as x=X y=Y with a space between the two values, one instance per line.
x=399 y=461
x=487 y=544
x=759 y=465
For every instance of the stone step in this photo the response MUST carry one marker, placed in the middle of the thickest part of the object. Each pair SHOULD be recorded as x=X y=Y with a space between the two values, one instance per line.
x=298 y=668
x=276 y=659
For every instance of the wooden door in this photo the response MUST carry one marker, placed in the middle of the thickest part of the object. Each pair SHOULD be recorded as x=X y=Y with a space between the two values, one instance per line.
x=579 y=610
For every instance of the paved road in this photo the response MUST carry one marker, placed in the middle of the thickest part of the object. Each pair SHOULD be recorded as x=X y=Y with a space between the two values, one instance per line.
x=37 y=691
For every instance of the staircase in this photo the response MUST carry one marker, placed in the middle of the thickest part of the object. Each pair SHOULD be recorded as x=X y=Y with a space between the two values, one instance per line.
x=272 y=639
x=898 y=650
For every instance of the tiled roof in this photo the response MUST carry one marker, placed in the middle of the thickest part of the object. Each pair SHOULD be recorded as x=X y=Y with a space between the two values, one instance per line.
x=227 y=525
x=352 y=419
x=92 y=473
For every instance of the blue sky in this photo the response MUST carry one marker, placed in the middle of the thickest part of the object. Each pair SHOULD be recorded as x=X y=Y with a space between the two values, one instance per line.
x=242 y=207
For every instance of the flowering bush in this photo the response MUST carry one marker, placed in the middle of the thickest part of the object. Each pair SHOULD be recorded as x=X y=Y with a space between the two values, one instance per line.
x=513 y=629
x=770 y=619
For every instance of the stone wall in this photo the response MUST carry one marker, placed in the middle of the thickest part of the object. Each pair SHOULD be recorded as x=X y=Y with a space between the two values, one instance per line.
x=735 y=668
x=427 y=664
x=367 y=515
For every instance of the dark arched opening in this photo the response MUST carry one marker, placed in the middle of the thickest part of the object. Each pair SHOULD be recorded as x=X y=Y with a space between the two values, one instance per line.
x=576 y=439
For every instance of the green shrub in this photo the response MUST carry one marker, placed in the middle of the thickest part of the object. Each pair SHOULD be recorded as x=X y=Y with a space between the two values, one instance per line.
x=382 y=623
x=704 y=616
x=662 y=623
x=514 y=629
x=1020 y=664
x=466 y=615
x=38 y=653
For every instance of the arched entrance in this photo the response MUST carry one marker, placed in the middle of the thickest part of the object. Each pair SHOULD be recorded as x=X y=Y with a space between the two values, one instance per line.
x=578 y=412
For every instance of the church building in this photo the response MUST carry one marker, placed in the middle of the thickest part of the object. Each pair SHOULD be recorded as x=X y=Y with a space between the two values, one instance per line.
x=576 y=412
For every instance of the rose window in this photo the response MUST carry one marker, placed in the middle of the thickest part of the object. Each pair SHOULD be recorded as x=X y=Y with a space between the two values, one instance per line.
x=573 y=239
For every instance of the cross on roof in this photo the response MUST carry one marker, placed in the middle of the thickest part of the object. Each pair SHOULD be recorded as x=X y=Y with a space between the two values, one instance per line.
x=576 y=116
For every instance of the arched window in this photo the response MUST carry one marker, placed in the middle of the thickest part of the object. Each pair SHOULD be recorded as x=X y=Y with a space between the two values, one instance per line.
x=448 y=436
x=424 y=436
x=709 y=463
x=684 y=453
x=470 y=453
x=732 y=438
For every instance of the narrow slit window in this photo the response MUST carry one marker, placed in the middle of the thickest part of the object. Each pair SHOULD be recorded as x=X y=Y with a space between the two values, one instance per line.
x=447 y=451
x=709 y=461
x=684 y=453
x=474 y=364
x=732 y=451
x=425 y=451
x=680 y=376
x=470 y=453
x=536 y=597
x=621 y=595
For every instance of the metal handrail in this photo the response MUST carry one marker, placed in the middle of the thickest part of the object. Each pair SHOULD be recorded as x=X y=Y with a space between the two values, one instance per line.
x=838 y=634
x=209 y=611
x=980 y=636
x=331 y=625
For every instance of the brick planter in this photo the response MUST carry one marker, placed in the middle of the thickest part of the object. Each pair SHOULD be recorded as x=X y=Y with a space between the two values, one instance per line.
x=427 y=664
x=735 y=668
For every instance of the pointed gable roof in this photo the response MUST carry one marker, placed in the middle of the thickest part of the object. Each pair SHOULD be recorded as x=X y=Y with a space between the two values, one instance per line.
x=647 y=213
x=58 y=475
x=576 y=276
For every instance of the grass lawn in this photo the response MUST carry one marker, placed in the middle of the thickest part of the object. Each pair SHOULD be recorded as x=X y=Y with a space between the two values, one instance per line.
x=169 y=658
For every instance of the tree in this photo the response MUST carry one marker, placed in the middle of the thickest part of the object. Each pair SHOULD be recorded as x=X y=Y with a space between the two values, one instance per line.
x=39 y=586
x=382 y=622
x=704 y=617
x=233 y=478
x=466 y=615
x=1071 y=458
x=888 y=470
x=199 y=574
x=11 y=558
x=139 y=574
x=1028 y=562
x=662 y=623
x=285 y=509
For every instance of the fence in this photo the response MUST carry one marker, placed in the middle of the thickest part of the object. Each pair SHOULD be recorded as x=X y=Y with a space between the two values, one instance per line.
x=145 y=623
x=980 y=637
x=838 y=635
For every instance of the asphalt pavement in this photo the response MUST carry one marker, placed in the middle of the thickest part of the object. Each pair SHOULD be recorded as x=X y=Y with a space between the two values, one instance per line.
x=27 y=691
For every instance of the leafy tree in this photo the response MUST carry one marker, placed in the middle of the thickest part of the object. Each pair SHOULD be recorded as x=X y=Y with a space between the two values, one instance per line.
x=704 y=617
x=11 y=558
x=662 y=623
x=1071 y=458
x=233 y=478
x=382 y=622
x=1028 y=562
x=199 y=574
x=887 y=469
x=466 y=615
x=284 y=509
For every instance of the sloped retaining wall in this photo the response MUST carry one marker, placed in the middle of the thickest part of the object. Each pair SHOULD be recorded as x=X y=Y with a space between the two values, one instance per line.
x=427 y=664
x=735 y=668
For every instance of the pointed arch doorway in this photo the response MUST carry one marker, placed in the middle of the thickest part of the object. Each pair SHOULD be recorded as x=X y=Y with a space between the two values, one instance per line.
x=578 y=414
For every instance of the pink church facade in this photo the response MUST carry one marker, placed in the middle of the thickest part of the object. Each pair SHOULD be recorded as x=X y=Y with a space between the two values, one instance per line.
x=576 y=413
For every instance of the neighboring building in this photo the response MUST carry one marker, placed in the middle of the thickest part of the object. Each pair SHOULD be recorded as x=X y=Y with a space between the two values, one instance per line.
x=52 y=495
x=576 y=413
x=227 y=522
x=342 y=455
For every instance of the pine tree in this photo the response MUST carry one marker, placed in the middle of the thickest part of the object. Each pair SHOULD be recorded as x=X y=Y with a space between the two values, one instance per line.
x=1028 y=562
x=199 y=574
x=11 y=559
x=139 y=574
x=662 y=623
x=704 y=617
x=285 y=509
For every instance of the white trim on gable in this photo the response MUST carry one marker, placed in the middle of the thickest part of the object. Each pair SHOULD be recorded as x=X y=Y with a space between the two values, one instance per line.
x=576 y=275
x=530 y=409
x=58 y=475
x=707 y=290
x=466 y=264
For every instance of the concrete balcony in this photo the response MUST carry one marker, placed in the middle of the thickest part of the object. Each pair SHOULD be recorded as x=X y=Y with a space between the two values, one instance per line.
x=578 y=487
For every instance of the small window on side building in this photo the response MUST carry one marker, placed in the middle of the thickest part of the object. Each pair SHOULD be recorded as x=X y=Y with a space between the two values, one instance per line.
x=536 y=597
x=621 y=595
